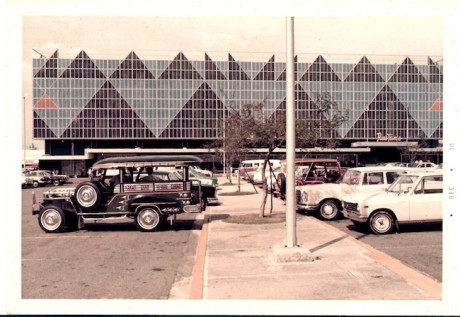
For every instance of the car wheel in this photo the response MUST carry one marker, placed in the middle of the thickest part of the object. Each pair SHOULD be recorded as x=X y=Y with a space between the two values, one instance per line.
x=87 y=196
x=148 y=219
x=51 y=219
x=35 y=184
x=56 y=182
x=329 y=210
x=381 y=222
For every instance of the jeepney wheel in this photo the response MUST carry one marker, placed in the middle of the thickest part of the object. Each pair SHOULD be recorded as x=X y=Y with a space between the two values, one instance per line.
x=329 y=210
x=51 y=219
x=87 y=196
x=56 y=182
x=149 y=219
x=381 y=222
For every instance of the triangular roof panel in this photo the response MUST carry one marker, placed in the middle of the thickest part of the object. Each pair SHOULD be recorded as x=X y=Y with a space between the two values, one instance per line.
x=234 y=70
x=320 y=71
x=132 y=67
x=195 y=115
x=180 y=68
x=211 y=70
x=407 y=72
x=50 y=68
x=127 y=122
x=82 y=67
x=364 y=72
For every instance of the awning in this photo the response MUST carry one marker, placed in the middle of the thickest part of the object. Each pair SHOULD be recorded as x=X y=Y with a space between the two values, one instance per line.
x=383 y=144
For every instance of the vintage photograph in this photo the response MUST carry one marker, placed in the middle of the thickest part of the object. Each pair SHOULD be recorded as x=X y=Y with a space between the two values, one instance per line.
x=240 y=160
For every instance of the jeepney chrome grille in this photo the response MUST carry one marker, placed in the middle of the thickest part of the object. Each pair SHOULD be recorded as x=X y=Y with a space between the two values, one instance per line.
x=350 y=206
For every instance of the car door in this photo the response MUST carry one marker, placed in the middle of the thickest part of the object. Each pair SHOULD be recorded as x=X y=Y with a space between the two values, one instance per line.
x=425 y=202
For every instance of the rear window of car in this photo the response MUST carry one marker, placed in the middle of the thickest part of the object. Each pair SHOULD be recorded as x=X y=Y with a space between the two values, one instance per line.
x=392 y=176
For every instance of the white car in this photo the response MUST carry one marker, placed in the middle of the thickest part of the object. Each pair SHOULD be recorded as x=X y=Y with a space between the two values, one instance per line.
x=423 y=165
x=412 y=198
x=325 y=199
x=270 y=175
x=25 y=180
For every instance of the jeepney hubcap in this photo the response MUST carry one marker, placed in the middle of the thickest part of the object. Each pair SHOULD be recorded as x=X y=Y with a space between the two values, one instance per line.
x=51 y=219
x=148 y=218
x=87 y=196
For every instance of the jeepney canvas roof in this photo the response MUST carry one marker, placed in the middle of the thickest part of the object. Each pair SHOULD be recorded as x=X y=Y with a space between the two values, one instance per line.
x=147 y=160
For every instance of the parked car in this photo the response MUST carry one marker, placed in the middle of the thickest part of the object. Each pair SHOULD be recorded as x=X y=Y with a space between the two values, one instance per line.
x=57 y=179
x=424 y=165
x=412 y=198
x=248 y=167
x=325 y=199
x=310 y=171
x=39 y=177
x=123 y=196
x=26 y=181
x=270 y=175
x=209 y=184
x=205 y=172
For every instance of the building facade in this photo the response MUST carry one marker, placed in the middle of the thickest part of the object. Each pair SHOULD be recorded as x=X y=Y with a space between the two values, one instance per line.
x=100 y=104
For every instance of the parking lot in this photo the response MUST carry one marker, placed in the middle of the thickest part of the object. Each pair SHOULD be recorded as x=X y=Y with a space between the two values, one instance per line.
x=102 y=260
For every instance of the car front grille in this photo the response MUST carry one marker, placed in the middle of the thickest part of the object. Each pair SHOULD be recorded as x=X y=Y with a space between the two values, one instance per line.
x=297 y=195
x=350 y=206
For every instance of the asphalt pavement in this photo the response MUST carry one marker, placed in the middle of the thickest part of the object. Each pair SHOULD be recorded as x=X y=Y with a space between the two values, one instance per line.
x=236 y=261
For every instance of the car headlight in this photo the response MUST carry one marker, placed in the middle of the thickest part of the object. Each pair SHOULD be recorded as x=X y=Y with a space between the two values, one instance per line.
x=303 y=196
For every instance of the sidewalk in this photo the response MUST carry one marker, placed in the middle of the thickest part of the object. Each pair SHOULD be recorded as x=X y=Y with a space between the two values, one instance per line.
x=238 y=260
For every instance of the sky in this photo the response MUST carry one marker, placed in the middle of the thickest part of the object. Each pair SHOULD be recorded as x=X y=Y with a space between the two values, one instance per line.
x=247 y=29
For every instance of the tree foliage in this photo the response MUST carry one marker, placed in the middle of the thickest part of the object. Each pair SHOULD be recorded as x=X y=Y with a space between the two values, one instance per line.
x=249 y=127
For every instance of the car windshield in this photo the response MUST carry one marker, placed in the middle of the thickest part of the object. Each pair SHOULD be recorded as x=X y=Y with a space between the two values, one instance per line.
x=301 y=171
x=194 y=173
x=413 y=165
x=403 y=184
x=351 y=177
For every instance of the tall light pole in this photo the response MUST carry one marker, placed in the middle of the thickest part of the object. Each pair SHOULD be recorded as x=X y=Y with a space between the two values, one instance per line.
x=291 y=238
x=24 y=131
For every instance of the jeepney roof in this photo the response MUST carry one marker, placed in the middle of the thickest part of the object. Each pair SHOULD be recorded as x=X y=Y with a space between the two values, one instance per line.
x=147 y=160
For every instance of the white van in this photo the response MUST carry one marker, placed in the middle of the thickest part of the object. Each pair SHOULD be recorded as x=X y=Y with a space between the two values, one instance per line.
x=248 y=167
